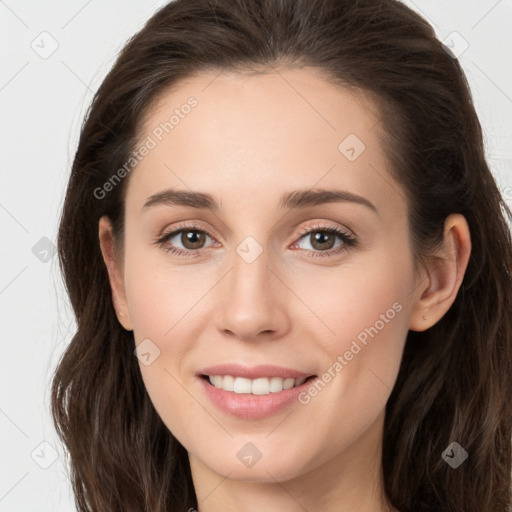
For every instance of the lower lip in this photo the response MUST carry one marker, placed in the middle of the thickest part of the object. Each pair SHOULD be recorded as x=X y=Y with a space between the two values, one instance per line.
x=249 y=406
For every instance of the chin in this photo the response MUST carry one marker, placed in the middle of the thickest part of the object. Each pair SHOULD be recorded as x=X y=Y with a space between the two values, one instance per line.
x=267 y=469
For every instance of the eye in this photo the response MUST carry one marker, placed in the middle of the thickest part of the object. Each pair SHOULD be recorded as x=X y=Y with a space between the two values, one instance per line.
x=191 y=237
x=322 y=239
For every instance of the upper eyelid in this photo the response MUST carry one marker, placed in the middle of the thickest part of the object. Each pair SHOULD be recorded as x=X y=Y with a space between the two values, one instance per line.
x=319 y=227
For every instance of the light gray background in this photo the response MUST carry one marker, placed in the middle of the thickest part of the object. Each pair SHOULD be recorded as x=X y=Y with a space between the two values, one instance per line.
x=43 y=99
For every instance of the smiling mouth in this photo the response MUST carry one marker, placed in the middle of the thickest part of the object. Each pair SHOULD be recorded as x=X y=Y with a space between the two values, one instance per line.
x=259 y=386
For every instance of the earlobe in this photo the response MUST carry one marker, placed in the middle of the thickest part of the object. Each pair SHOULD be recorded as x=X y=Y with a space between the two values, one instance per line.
x=445 y=271
x=106 y=238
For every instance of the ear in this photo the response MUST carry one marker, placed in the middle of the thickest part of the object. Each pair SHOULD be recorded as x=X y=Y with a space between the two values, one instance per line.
x=440 y=281
x=115 y=272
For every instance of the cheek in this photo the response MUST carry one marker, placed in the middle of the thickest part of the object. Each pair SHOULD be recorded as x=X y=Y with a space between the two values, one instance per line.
x=161 y=306
x=345 y=301
x=361 y=355
x=363 y=311
x=159 y=294
x=153 y=305
x=164 y=302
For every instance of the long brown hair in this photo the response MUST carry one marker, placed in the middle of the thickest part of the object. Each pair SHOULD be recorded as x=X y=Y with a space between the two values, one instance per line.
x=455 y=380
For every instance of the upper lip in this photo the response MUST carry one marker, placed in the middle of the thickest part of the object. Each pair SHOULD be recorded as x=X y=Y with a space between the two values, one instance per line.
x=253 y=372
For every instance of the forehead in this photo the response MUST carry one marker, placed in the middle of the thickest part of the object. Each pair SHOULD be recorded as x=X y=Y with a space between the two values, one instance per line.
x=233 y=132
x=275 y=98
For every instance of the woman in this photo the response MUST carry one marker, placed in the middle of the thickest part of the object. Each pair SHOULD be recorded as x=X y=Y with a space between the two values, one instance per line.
x=290 y=267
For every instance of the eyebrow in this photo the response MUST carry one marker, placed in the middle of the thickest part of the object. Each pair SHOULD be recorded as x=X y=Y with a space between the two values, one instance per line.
x=290 y=200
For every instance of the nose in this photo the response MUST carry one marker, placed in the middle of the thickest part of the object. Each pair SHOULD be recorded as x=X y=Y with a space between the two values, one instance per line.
x=251 y=300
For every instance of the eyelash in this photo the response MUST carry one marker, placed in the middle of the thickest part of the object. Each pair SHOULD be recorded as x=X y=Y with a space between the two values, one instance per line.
x=348 y=240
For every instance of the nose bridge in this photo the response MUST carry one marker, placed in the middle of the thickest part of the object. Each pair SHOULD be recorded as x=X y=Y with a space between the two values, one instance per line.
x=249 y=301
x=250 y=279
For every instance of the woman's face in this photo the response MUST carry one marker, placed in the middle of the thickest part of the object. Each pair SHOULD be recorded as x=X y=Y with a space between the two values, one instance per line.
x=261 y=279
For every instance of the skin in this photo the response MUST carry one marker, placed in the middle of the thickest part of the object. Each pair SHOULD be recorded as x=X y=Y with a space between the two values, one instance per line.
x=249 y=140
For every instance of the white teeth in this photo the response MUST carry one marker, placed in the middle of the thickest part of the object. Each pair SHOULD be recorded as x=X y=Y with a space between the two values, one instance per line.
x=300 y=381
x=241 y=385
x=228 y=383
x=260 y=386
x=276 y=384
x=288 y=383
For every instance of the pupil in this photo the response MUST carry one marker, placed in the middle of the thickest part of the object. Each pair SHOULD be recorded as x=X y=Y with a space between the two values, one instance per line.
x=321 y=237
x=193 y=238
